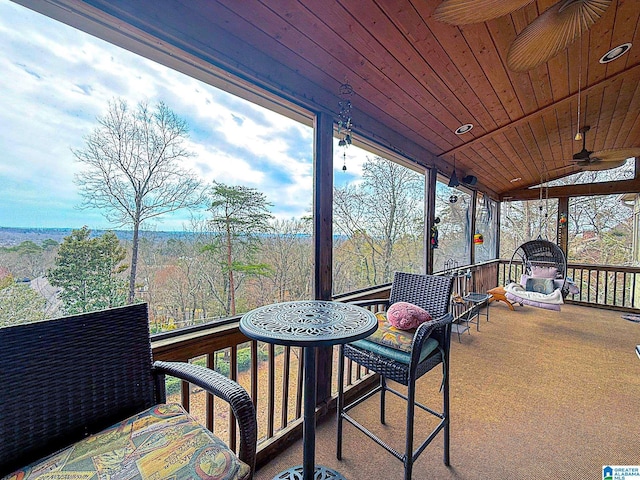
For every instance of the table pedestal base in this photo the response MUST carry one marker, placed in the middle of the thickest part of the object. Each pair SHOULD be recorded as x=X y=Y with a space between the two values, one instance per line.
x=321 y=473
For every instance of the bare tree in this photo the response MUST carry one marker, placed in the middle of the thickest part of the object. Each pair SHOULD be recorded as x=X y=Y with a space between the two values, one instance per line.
x=133 y=171
x=378 y=216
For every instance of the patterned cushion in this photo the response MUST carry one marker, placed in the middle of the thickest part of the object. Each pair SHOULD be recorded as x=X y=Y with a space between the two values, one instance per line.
x=540 y=285
x=390 y=336
x=391 y=342
x=407 y=316
x=162 y=442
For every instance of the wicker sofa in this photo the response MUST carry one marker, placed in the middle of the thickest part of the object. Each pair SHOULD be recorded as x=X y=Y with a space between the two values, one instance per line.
x=81 y=398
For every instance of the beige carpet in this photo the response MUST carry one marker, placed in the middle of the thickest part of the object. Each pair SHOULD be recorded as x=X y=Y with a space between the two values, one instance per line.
x=534 y=394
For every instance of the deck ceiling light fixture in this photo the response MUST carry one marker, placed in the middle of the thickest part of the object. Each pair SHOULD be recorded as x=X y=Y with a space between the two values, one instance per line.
x=463 y=128
x=615 y=53
x=517 y=179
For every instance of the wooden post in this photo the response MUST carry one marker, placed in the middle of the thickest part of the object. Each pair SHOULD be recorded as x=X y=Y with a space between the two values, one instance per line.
x=323 y=236
x=562 y=227
x=431 y=177
x=472 y=256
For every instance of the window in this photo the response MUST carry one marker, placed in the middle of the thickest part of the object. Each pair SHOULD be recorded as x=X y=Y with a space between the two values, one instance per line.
x=453 y=208
x=56 y=83
x=487 y=227
x=378 y=219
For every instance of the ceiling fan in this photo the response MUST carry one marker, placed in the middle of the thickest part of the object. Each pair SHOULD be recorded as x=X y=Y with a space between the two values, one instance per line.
x=549 y=34
x=602 y=159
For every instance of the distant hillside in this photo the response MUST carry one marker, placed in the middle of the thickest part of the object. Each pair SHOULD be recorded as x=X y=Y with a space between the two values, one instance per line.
x=10 y=236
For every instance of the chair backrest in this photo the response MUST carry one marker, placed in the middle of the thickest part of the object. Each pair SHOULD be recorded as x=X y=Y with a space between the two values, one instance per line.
x=70 y=377
x=431 y=292
x=543 y=253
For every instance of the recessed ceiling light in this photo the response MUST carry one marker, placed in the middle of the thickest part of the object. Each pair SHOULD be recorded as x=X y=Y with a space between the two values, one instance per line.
x=517 y=179
x=464 y=128
x=615 y=53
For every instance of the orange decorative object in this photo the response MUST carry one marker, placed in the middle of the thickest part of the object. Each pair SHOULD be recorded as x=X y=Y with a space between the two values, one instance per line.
x=478 y=239
x=498 y=295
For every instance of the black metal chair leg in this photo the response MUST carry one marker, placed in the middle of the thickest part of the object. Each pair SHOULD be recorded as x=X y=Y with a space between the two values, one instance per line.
x=445 y=411
x=383 y=390
x=408 y=460
x=340 y=405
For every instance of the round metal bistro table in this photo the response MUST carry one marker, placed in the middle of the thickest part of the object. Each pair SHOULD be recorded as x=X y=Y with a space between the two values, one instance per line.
x=309 y=324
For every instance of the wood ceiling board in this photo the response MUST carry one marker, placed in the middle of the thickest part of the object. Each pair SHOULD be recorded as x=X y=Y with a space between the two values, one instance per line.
x=608 y=100
x=490 y=112
x=623 y=100
x=508 y=154
x=371 y=101
x=503 y=33
x=481 y=45
x=475 y=162
x=414 y=97
x=628 y=136
x=460 y=82
x=410 y=69
x=329 y=100
x=598 y=41
x=498 y=160
x=542 y=140
x=558 y=71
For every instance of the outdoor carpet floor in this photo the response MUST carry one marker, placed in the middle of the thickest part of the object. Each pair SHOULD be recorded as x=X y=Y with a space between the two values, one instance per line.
x=534 y=394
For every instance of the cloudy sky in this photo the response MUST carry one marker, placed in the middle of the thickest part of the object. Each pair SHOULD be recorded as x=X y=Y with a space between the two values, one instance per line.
x=56 y=80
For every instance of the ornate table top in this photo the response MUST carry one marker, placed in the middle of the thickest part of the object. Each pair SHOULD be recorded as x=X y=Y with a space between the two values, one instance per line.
x=308 y=323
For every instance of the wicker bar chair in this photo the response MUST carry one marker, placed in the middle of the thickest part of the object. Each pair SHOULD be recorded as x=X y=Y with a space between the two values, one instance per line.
x=429 y=348
x=71 y=377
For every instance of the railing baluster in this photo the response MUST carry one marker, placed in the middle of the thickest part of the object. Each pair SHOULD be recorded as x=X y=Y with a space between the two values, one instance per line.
x=285 y=387
x=209 y=402
x=271 y=400
x=254 y=373
x=299 y=389
x=233 y=373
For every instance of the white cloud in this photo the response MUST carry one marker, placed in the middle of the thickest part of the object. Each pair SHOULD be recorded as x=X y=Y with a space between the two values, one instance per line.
x=57 y=80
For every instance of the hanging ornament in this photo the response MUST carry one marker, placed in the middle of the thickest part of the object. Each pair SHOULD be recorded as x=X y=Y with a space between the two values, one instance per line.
x=345 y=124
x=478 y=239
x=344 y=162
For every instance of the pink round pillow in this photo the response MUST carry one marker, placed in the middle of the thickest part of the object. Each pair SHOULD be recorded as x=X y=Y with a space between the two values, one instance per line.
x=405 y=315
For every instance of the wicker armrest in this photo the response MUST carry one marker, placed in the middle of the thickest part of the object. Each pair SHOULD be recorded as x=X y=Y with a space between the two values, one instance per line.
x=226 y=389
x=430 y=329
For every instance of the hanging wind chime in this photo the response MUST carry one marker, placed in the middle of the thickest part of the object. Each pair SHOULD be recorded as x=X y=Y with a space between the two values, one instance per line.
x=345 y=124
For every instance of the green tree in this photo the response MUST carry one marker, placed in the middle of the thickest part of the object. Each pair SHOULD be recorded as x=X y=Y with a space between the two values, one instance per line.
x=20 y=304
x=88 y=270
x=239 y=215
x=133 y=171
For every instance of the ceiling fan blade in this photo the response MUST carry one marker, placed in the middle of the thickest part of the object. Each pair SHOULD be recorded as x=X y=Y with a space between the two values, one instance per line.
x=462 y=12
x=553 y=31
x=599 y=165
x=617 y=154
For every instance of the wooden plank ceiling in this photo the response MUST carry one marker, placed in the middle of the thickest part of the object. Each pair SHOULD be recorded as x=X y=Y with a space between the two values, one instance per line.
x=416 y=79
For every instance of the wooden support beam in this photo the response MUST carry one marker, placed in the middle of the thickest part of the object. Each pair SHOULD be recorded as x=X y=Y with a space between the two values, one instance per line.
x=431 y=177
x=323 y=238
x=562 y=228
x=577 y=190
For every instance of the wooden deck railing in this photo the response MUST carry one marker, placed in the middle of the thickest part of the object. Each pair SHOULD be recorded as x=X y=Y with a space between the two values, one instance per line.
x=610 y=286
x=273 y=375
